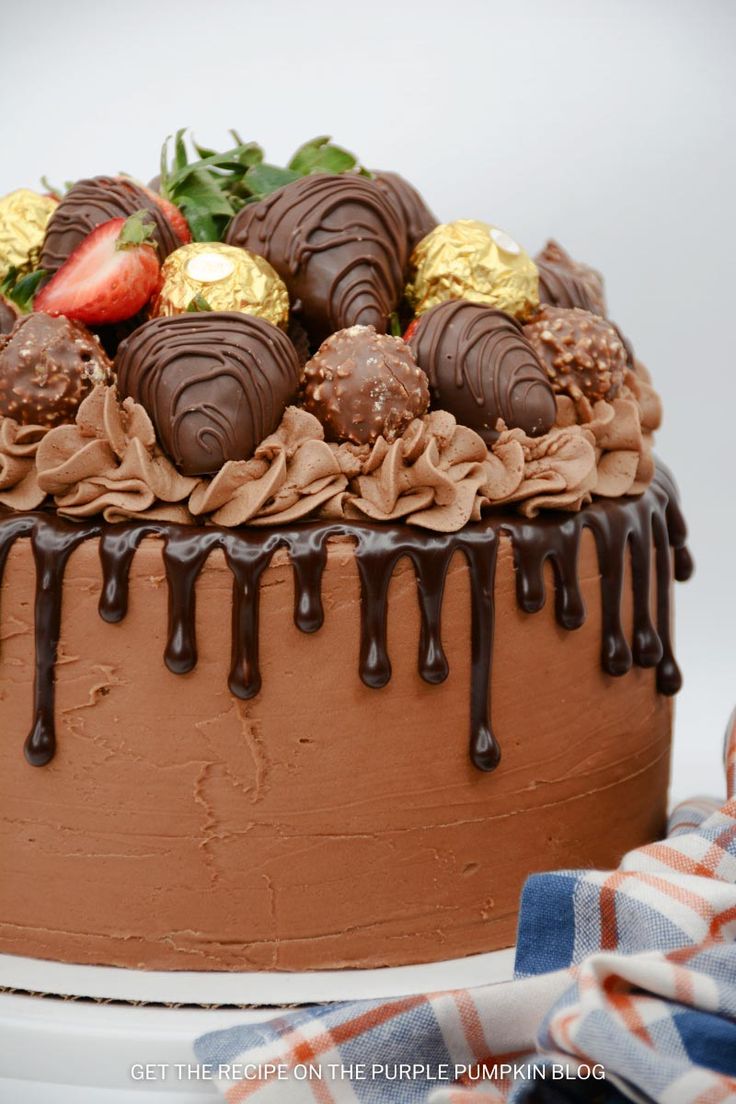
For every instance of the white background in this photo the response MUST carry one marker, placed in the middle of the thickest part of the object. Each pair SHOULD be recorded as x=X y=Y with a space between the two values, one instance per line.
x=609 y=125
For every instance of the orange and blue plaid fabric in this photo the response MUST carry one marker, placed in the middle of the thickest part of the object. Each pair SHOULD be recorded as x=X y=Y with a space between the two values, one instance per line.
x=625 y=988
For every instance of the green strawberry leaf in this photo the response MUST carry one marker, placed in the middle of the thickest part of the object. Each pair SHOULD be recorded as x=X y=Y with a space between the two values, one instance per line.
x=260 y=180
x=21 y=290
x=202 y=151
x=180 y=150
x=198 y=303
x=137 y=231
x=319 y=155
x=394 y=324
x=213 y=187
x=51 y=189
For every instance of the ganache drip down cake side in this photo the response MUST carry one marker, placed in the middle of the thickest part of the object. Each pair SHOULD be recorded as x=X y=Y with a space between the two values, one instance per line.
x=336 y=571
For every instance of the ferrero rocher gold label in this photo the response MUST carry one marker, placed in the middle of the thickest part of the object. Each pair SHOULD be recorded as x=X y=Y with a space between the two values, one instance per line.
x=210 y=275
x=23 y=218
x=468 y=259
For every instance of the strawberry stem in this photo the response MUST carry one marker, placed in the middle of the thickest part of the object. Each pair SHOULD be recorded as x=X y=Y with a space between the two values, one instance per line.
x=137 y=230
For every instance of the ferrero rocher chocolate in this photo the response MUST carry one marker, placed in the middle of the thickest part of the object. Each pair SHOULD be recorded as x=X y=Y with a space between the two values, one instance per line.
x=363 y=385
x=47 y=366
x=583 y=353
x=472 y=260
x=23 y=218
x=217 y=277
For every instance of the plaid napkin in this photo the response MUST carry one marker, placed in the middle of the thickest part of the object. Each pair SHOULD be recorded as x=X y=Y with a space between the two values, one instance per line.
x=625 y=988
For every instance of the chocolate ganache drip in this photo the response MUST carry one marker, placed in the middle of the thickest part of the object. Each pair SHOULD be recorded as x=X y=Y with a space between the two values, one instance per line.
x=88 y=204
x=338 y=244
x=622 y=527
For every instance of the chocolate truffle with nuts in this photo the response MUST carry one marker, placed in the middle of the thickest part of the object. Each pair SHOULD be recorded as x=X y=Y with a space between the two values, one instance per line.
x=583 y=353
x=363 y=385
x=47 y=366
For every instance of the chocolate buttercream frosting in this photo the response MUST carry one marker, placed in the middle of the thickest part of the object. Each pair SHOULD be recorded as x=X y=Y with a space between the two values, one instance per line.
x=19 y=487
x=88 y=204
x=414 y=213
x=109 y=463
x=293 y=474
x=482 y=368
x=338 y=244
x=215 y=384
x=564 y=282
x=363 y=385
x=625 y=531
x=47 y=366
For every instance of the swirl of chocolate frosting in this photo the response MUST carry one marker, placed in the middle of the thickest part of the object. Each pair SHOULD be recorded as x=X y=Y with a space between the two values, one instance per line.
x=338 y=244
x=214 y=384
x=411 y=208
x=88 y=204
x=481 y=368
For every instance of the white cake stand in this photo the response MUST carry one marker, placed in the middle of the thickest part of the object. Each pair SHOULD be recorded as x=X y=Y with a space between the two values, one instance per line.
x=79 y=1051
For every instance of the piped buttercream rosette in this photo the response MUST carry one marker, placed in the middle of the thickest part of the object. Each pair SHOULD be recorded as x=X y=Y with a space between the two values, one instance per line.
x=109 y=462
x=437 y=474
x=19 y=486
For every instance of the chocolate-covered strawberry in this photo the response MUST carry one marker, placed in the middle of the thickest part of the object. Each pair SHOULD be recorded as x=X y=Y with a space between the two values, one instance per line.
x=416 y=216
x=109 y=277
x=337 y=243
x=564 y=282
x=8 y=315
x=89 y=203
x=482 y=368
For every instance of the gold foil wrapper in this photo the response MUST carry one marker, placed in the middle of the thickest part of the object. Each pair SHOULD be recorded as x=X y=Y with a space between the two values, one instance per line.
x=468 y=259
x=222 y=278
x=23 y=218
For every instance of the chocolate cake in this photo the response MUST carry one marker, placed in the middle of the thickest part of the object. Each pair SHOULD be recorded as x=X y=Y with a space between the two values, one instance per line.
x=309 y=666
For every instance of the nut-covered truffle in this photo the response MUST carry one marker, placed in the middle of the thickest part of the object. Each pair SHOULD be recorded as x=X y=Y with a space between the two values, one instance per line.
x=8 y=315
x=472 y=260
x=214 y=384
x=564 y=282
x=482 y=368
x=363 y=385
x=583 y=353
x=88 y=204
x=225 y=278
x=47 y=366
x=338 y=244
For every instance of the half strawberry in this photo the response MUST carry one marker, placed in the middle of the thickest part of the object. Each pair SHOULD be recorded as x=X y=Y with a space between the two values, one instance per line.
x=109 y=277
